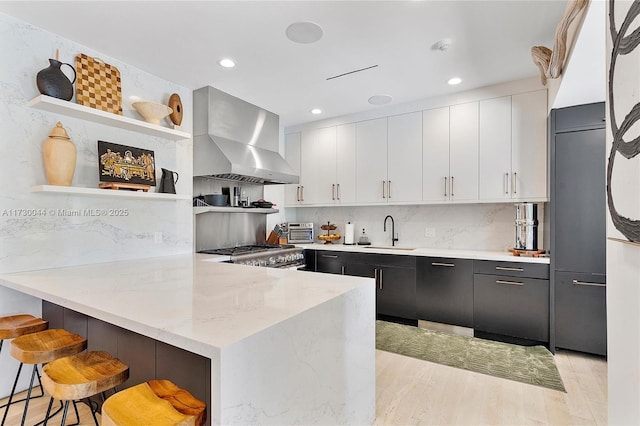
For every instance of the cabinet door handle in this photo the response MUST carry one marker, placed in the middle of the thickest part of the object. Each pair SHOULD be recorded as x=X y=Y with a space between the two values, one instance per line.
x=509 y=282
x=333 y=191
x=342 y=268
x=302 y=193
x=375 y=275
x=515 y=182
x=384 y=184
x=445 y=186
x=576 y=282
x=505 y=183
x=448 y=265
x=452 y=186
x=330 y=256
x=298 y=193
x=338 y=190
x=380 y=279
x=389 y=189
x=506 y=268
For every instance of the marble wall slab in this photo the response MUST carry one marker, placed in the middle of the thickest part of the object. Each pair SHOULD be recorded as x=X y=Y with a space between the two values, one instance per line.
x=454 y=226
x=32 y=240
x=35 y=231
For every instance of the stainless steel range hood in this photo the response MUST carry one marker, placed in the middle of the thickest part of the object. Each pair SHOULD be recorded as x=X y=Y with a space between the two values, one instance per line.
x=236 y=140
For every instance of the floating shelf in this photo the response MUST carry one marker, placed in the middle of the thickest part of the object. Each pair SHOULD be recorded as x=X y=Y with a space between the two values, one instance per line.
x=59 y=106
x=97 y=192
x=200 y=210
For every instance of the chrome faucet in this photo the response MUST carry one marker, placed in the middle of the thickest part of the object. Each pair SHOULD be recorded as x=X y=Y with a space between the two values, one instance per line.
x=393 y=229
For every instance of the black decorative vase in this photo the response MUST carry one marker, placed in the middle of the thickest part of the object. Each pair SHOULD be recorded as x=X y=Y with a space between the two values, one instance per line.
x=53 y=82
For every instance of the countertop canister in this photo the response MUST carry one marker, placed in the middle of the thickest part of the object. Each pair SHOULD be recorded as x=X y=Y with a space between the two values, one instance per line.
x=59 y=155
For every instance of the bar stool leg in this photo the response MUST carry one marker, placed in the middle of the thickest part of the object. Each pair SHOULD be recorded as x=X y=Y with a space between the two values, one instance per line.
x=26 y=404
x=64 y=413
x=15 y=383
x=33 y=397
x=46 y=417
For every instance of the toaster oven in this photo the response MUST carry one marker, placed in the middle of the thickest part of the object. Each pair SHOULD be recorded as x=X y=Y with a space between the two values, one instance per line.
x=300 y=233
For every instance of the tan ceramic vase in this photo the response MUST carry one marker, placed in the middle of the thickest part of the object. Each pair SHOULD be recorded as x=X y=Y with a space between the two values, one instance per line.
x=59 y=155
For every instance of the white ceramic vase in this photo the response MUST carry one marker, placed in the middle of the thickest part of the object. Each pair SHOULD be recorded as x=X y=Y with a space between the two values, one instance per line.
x=59 y=155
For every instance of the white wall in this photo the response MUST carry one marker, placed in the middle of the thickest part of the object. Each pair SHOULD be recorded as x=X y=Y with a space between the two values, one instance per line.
x=40 y=242
x=623 y=259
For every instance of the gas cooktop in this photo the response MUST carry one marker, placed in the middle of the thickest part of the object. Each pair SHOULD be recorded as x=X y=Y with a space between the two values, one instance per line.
x=253 y=248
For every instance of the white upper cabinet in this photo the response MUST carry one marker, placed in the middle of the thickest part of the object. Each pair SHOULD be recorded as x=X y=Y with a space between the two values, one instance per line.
x=345 y=189
x=318 y=165
x=529 y=146
x=463 y=152
x=495 y=149
x=404 y=158
x=435 y=154
x=292 y=155
x=371 y=161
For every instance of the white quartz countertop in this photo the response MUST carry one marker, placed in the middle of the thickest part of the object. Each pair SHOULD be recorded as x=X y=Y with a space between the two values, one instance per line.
x=502 y=256
x=190 y=301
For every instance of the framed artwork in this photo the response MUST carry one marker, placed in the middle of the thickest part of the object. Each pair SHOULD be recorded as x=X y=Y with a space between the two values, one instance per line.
x=126 y=164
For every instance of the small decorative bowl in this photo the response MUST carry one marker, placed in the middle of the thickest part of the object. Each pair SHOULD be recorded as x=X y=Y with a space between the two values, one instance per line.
x=152 y=112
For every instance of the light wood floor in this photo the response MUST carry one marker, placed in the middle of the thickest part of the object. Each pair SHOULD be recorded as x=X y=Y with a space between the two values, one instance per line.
x=415 y=392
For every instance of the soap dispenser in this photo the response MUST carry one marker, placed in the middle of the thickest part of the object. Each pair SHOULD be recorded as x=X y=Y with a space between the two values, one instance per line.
x=364 y=239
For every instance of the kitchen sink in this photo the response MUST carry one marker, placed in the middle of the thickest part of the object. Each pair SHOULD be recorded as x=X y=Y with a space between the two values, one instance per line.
x=390 y=248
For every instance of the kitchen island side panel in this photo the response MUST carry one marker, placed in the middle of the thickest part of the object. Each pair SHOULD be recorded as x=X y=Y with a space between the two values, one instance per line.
x=318 y=366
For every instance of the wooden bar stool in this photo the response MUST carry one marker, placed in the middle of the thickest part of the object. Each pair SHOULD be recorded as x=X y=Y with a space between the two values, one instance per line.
x=13 y=326
x=82 y=376
x=39 y=348
x=157 y=403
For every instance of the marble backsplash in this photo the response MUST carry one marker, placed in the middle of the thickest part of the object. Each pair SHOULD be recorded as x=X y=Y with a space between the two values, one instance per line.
x=452 y=226
x=35 y=231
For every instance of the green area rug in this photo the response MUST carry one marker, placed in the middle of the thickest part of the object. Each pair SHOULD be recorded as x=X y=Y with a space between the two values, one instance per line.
x=527 y=364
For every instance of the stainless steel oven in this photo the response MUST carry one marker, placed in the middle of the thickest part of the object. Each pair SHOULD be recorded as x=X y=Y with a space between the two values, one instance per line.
x=300 y=233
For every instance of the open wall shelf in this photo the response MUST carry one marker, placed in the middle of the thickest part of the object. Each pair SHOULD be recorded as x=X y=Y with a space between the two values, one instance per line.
x=70 y=109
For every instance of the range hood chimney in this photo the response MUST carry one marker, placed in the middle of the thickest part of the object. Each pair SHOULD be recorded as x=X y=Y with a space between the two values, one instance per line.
x=235 y=140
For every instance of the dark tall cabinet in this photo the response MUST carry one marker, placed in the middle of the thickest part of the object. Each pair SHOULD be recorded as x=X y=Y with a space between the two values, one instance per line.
x=578 y=227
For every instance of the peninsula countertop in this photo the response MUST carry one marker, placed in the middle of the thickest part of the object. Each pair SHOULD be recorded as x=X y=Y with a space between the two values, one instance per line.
x=190 y=301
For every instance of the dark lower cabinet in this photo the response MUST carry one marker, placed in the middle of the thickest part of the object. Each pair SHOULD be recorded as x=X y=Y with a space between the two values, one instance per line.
x=511 y=306
x=581 y=312
x=444 y=290
x=395 y=278
x=331 y=262
x=146 y=358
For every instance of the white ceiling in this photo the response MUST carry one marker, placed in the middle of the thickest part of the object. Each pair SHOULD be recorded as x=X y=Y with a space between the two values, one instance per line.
x=182 y=42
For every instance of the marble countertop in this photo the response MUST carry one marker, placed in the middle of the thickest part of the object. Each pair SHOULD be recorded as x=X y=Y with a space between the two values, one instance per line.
x=190 y=301
x=429 y=252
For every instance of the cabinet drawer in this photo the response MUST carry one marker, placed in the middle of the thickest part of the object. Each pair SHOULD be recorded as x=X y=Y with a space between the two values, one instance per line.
x=512 y=269
x=331 y=262
x=511 y=306
x=398 y=261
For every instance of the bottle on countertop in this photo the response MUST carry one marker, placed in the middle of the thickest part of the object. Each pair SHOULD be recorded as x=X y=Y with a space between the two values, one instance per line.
x=364 y=239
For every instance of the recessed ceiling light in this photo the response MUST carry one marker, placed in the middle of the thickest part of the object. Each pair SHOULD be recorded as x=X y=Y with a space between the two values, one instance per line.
x=455 y=80
x=316 y=111
x=227 y=63
x=304 y=32
x=380 y=99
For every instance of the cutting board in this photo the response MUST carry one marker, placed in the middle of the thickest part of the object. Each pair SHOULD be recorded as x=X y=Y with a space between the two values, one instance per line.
x=98 y=84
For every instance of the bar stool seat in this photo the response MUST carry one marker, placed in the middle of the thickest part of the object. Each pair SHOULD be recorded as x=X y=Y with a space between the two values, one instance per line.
x=13 y=326
x=156 y=402
x=81 y=376
x=38 y=348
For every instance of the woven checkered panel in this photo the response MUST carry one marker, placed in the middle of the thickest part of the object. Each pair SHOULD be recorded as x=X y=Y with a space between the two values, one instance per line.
x=98 y=84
